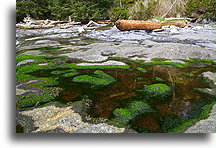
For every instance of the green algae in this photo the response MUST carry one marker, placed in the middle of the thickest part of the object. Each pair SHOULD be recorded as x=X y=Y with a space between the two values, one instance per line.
x=135 y=108
x=24 y=77
x=70 y=74
x=123 y=115
x=177 y=65
x=59 y=72
x=155 y=92
x=189 y=74
x=159 y=59
x=90 y=79
x=158 y=80
x=35 y=99
x=181 y=124
x=140 y=69
x=36 y=58
x=156 y=61
x=99 y=79
x=174 y=121
x=197 y=60
x=75 y=66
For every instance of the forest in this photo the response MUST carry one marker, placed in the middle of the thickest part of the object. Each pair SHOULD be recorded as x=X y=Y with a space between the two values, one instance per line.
x=81 y=10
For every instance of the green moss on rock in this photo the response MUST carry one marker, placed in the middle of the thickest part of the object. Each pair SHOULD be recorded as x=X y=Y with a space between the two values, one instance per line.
x=75 y=66
x=36 y=58
x=123 y=115
x=58 y=72
x=157 y=79
x=188 y=74
x=132 y=110
x=158 y=59
x=155 y=92
x=70 y=74
x=98 y=80
x=35 y=99
x=140 y=69
x=177 y=65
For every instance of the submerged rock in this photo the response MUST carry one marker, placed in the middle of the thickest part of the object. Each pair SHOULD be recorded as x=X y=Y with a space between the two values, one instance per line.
x=155 y=92
x=210 y=78
x=99 y=79
x=205 y=126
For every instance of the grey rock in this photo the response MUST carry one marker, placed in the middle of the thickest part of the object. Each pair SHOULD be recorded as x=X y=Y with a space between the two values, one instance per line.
x=39 y=42
x=48 y=119
x=97 y=128
x=209 y=91
x=148 y=43
x=210 y=78
x=110 y=62
x=174 y=31
x=26 y=62
x=205 y=126
x=176 y=61
x=97 y=52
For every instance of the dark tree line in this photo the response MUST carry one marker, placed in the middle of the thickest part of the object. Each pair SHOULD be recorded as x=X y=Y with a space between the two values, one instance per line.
x=61 y=9
x=102 y=9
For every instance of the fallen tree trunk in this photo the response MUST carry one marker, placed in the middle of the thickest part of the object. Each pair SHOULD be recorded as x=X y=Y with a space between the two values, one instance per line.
x=137 y=25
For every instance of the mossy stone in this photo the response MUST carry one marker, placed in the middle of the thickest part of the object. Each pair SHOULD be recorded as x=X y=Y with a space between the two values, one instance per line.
x=155 y=92
x=58 y=72
x=132 y=110
x=99 y=79
x=188 y=74
x=123 y=115
x=157 y=79
x=71 y=74
x=140 y=69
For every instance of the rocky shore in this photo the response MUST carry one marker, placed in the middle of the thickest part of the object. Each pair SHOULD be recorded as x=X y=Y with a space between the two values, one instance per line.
x=100 y=46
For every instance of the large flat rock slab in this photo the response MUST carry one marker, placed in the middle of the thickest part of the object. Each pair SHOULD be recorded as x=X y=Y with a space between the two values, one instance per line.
x=101 y=51
x=51 y=118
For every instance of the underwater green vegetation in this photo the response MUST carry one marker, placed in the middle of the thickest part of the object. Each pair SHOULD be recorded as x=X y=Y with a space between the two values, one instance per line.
x=133 y=93
x=98 y=80
x=140 y=69
x=189 y=74
x=36 y=58
x=75 y=66
x=35 y=100
x=155 y=92
x=157 y=79
x=135 y=108
x=59 y=72
x=70 y=74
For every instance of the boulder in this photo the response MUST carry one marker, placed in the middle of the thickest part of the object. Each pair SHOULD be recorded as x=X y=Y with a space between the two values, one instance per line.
x=155 y=92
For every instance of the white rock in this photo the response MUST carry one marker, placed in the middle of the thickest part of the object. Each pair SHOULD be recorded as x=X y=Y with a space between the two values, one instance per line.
x=174 y=31
x=104 y=63
x=39 y=42
x=80 y=29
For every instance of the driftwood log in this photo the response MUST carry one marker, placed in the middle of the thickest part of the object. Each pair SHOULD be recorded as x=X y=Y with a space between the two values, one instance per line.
x=137 y=25
x=30 y=23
